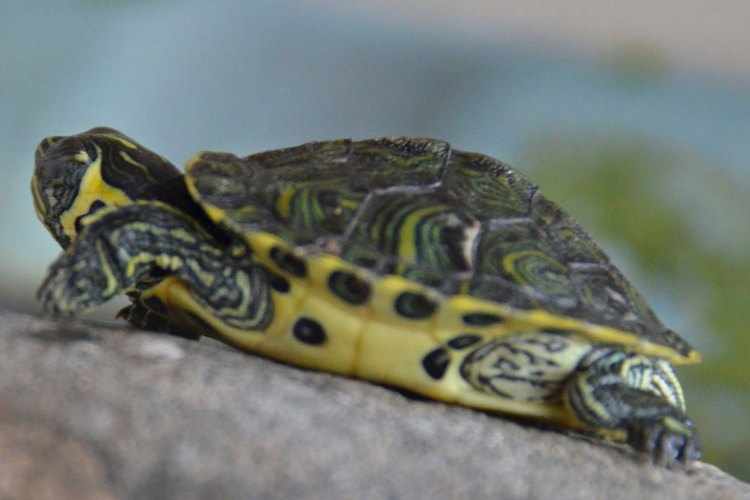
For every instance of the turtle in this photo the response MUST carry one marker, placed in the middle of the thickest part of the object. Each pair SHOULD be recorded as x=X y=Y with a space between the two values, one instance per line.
x=400 y=261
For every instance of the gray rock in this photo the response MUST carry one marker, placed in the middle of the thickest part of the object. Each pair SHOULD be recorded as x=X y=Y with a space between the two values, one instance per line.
x=93 y=411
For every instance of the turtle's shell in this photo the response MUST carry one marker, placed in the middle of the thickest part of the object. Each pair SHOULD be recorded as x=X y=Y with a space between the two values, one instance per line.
x=454 y=221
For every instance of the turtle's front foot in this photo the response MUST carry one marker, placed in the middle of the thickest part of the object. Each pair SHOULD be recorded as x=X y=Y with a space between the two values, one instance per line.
x=74 y=283
x=666 y=441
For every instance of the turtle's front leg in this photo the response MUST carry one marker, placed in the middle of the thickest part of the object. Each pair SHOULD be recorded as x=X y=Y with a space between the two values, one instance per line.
x=615 y=390
x=121 y=247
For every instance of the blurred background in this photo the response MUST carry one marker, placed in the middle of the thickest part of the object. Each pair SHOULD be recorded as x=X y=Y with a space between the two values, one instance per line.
x=634 y=116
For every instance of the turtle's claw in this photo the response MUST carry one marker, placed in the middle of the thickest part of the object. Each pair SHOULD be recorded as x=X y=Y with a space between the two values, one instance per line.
x=52 y=292
x=667 y=441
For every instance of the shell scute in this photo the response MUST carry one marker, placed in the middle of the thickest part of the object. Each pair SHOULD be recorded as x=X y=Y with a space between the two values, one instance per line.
x=487 y=188
x=570 y=240
x=410 y=216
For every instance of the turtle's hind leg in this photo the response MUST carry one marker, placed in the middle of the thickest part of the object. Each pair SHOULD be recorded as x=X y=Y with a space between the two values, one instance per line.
x=120 y=248
x=620 y=391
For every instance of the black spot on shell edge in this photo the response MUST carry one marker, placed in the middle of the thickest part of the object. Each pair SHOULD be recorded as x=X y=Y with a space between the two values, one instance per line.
x=414 y=305
x=288 y=262
x=482 y=319
x=308 y=331
x=436 y=362
x=279 y=283
x=464 y=341
x=349 y=287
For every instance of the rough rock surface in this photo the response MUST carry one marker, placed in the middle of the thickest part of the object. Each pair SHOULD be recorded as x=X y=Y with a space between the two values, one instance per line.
x=88 y=411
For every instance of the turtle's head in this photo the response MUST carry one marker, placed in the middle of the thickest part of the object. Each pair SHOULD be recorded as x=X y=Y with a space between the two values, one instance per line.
x=80 y=174
x=58 y=184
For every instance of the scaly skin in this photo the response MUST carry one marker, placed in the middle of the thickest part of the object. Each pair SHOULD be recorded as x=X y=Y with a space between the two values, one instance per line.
x=120 y=247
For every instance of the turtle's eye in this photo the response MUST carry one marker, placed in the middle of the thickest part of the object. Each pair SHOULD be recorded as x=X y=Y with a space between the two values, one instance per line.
x=60 y=164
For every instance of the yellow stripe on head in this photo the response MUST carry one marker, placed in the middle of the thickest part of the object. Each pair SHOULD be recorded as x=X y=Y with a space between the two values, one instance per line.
x=93 y=188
